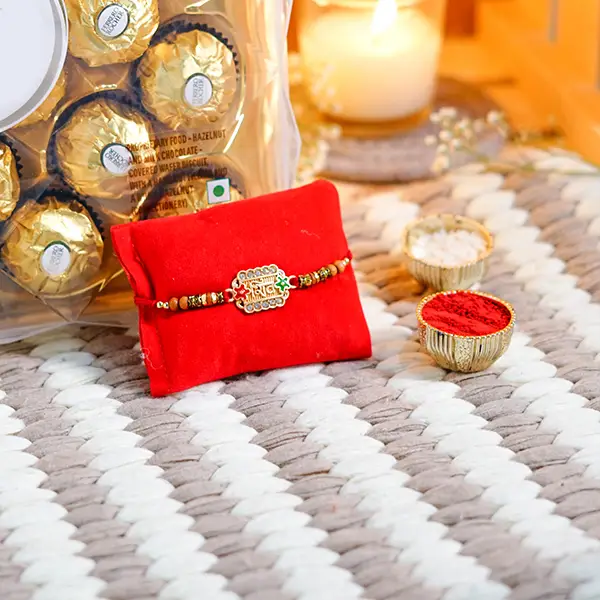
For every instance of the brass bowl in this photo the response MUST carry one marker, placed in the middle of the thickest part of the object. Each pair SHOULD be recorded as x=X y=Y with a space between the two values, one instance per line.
x=438 y=277
x=464 y=353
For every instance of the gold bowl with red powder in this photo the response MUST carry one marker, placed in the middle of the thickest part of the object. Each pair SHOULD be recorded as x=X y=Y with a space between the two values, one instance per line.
x=465 y=331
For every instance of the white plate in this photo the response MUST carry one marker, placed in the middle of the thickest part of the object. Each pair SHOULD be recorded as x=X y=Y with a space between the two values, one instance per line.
x=34 y=40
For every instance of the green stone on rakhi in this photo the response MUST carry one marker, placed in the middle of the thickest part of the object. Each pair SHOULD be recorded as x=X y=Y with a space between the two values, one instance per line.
x=283 y=283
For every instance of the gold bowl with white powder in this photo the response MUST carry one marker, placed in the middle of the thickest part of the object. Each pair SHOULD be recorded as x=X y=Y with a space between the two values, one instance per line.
x=447 y=252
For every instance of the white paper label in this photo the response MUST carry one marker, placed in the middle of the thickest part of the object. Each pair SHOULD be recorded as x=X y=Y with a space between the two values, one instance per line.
x=56 y=259
x=198 y=90
x=219 y=191
x=112 y=21
x=117 y=159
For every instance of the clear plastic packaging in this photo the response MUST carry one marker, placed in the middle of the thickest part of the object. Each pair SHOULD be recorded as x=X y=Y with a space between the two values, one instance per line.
x=164 y=107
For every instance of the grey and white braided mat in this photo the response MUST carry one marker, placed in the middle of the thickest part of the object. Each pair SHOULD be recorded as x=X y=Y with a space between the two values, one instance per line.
x=383 y=479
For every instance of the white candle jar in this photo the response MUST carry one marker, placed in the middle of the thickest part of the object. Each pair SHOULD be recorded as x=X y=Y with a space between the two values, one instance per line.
x=371 y=62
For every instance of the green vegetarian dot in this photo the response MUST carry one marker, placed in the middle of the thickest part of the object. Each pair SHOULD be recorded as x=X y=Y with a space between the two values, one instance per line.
x=219 y=191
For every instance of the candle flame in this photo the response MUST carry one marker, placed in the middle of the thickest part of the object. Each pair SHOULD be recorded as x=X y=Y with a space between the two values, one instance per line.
x=386 y=14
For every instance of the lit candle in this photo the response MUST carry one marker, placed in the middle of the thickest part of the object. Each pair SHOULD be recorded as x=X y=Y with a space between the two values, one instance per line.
x=370 y=63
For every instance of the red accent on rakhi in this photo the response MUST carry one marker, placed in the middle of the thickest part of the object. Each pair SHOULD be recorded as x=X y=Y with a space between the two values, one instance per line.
x=241 y=292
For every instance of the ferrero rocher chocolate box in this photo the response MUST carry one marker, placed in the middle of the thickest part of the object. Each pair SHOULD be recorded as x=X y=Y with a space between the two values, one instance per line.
x=163 y=108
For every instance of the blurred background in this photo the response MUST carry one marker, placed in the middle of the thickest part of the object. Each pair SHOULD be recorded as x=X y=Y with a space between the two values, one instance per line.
x=535 y=60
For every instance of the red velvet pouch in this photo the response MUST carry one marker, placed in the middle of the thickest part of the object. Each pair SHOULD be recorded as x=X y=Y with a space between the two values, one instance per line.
x=300 y=231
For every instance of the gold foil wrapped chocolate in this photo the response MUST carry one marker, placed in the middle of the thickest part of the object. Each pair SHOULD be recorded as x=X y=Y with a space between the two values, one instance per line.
x=104 y=32
x=102 y=145
x=189 y=191
x=48 y=106
x=189 y=80
x=53 y=247
x=10 y=186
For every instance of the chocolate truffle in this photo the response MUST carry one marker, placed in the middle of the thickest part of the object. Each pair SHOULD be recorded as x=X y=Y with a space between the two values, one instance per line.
x=104 y=32
x=53 y=247
x=10 y=187
x=189 y=79
x=100 y=143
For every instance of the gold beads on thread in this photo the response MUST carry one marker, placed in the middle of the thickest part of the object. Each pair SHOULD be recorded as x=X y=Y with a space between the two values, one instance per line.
x=324 y=273
x=192 y=302
x=217 y=298
x=304 y=281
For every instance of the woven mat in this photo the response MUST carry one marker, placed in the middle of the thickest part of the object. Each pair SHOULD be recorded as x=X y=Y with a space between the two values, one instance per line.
x=382 y=479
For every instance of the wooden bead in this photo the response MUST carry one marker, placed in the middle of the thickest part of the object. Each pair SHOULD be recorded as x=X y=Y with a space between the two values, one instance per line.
x=333 y=270
x=174 y=304
x=341 y=265
x=183 y=303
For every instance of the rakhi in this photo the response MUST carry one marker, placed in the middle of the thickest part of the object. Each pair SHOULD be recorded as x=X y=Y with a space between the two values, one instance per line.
x=300 y=230
x=258 y=289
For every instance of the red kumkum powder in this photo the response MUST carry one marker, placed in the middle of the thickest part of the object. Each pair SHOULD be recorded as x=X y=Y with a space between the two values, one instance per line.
x=463 y=313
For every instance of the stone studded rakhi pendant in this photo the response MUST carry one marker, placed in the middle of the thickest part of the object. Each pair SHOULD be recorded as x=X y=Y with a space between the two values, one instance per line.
x=262 y=288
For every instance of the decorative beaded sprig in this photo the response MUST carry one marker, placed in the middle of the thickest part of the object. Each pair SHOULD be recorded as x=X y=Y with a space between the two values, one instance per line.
x=258 y=289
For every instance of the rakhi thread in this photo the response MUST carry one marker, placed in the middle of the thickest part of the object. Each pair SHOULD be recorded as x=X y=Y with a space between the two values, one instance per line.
x=258 y=289
x=466 y=314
